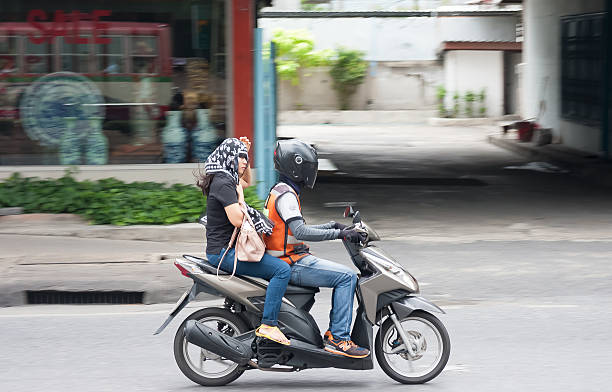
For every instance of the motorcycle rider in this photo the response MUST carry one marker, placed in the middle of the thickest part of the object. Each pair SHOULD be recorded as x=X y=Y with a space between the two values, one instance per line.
x=297 y=165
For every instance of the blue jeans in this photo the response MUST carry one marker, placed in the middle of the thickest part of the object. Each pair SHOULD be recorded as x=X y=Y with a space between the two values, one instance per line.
x=269 y=267
x=314 y=272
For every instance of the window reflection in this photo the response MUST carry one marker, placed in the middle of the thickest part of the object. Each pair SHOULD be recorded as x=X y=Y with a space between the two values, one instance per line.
x=160 y=78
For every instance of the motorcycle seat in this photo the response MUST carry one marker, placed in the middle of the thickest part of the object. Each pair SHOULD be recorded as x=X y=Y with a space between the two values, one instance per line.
x=211 y=269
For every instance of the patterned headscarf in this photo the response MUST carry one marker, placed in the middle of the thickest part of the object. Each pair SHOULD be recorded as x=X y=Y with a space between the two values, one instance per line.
x=225 y=160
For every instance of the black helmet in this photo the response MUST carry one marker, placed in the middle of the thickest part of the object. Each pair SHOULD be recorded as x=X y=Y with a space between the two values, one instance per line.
x=297 y=160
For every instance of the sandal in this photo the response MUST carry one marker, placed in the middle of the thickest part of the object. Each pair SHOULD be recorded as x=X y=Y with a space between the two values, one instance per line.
x=272 y=338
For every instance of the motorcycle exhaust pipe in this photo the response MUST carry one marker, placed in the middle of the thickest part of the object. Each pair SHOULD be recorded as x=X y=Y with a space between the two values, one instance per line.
x=218 y=343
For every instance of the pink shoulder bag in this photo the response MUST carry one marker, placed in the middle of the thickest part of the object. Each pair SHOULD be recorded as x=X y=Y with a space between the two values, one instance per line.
x=249 y=245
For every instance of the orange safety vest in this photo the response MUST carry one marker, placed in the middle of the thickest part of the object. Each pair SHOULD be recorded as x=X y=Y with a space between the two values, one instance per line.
x=281 y=243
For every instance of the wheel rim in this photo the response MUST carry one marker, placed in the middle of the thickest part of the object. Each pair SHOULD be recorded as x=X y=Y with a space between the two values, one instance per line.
x=426 y=342
x=204 y=362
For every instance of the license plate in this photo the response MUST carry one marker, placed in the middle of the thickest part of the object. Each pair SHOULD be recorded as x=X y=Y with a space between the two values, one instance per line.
x=180 y=301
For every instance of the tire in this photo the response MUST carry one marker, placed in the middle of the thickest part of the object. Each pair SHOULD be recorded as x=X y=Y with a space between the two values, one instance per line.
x=181 y=347
x=423 y=317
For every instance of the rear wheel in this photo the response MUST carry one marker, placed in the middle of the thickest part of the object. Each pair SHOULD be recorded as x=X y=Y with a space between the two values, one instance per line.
x=202 y=366
x=430 y=344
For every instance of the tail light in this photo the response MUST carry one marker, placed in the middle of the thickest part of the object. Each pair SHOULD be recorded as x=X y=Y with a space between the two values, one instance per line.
x=181 y=268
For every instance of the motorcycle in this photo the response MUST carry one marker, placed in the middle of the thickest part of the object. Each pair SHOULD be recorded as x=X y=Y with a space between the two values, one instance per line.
x=216 y=345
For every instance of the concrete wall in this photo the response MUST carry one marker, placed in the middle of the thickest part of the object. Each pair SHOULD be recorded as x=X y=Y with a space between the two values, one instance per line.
x=397 y=39
x=370 y=5
x=388 y=86
x=404 y=71
x=542 y=84
x=474 y=70
x=181 y=173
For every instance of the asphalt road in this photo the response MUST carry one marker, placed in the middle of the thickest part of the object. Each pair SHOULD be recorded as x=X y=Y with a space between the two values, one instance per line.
x=522 y=316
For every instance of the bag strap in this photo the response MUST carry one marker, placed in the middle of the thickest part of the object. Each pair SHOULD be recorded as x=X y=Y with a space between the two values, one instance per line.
x=245 y=211
x=231 y=242
x=229 y=245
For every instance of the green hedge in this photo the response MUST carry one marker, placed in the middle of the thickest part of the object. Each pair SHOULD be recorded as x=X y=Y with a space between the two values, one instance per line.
x=110 y=201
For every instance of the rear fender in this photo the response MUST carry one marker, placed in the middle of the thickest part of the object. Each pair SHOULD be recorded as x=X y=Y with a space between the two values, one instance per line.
x=194 y=291
x=405 y=306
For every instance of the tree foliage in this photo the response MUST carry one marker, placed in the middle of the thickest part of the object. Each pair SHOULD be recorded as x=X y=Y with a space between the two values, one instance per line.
x=295 y=51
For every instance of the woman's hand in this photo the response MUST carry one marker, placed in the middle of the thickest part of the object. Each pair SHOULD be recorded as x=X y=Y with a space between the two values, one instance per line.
x=240 y=192
x=246 y=142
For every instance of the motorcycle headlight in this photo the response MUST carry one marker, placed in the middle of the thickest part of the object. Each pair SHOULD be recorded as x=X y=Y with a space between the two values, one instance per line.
x=401 y=273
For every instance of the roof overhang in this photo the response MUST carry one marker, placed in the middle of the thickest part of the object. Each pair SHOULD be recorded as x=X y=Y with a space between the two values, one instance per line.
x=507 y=46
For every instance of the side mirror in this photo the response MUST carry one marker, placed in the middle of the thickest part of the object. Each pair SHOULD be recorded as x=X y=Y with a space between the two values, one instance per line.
x=349 y=212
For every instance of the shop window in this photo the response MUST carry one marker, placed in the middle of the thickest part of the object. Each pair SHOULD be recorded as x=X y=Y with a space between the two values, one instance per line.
x=143 y=54
x=75 y=57
x=111 y=56
x=8 y=54
x=38 y=58
x=582 y=59
x=157 y=78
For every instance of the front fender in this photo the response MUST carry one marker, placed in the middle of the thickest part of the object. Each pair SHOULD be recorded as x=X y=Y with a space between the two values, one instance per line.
x=404 y=306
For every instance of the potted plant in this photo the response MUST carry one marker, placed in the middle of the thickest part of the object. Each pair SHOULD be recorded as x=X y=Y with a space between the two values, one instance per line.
x=441 y=93
x=482 y=96
x=469 y=98
x=456 y=98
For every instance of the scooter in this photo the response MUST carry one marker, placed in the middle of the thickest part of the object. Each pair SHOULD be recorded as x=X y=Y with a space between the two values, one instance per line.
x=216 y=345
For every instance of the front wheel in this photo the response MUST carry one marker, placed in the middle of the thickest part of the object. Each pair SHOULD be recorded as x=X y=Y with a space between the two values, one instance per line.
x=429 y=342
x=200 y=365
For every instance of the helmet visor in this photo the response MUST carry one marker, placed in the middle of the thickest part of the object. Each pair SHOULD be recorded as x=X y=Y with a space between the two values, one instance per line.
x=310 y=170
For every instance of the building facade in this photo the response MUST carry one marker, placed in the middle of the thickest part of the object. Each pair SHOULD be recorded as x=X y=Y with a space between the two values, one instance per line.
x=123 y=81
x=403 y=49
x=567 y=71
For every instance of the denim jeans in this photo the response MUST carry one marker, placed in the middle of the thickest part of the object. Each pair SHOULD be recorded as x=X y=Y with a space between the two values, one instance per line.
x=269 y=267
x=314 y=272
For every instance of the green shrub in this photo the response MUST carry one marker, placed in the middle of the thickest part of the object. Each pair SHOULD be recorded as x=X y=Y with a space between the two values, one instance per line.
x=469 y=98
x=482 y=99
x=110 y=201
x=456 y=98
x=348 y=72
x=441 y=94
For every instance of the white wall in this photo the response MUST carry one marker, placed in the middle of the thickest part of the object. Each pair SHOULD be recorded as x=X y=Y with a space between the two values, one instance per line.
x=388 y=86
x=542 y=52
x=397 y=39
x=474 y=70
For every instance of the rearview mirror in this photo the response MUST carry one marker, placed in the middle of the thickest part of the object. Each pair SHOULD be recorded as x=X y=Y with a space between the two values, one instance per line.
x=349 y=212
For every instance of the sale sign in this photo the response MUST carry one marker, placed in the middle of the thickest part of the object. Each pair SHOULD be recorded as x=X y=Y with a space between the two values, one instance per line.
x=67 y=26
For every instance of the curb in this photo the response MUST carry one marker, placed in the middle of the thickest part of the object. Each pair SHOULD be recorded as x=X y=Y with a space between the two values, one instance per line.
x=586 y=166
x=152 y=276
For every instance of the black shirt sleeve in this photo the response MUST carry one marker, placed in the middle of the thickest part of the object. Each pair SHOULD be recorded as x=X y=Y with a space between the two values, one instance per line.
x=225 y=191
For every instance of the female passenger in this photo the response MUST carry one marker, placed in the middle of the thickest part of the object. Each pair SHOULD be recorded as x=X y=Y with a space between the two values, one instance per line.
x=227 y=172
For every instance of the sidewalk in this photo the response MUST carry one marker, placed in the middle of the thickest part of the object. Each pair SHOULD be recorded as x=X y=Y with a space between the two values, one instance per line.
x=580 y=164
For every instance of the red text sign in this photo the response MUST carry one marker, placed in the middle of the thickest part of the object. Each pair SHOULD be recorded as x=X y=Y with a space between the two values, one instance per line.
x=67 y=26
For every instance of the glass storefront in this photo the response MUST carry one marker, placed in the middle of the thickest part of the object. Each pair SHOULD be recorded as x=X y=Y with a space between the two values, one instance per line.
x=115 y=82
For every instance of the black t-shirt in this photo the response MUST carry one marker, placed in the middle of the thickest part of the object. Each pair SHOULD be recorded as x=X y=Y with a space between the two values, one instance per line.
x=219 y=229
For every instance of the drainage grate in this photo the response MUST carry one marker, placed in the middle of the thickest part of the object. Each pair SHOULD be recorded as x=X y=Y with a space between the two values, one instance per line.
x=51 y=297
